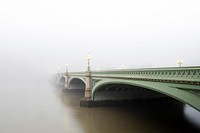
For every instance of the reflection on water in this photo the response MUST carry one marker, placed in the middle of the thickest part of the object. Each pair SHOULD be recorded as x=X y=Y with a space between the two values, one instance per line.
x=142 y=118
x=39 y=107
x=192 y=115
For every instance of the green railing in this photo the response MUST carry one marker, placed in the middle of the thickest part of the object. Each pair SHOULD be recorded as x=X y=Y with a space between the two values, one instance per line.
x=185 y=75
x=188 y=75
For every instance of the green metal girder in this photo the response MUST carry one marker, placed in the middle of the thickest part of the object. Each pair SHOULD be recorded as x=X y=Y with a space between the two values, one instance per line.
x=182 y=95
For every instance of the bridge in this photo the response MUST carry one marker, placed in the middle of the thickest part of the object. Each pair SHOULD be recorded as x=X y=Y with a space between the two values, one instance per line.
x=180 y=83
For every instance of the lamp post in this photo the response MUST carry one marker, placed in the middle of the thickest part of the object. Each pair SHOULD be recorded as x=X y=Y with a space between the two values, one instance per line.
x=88 y=59
x=67 y=68
x=180 y=62
x=123 y=67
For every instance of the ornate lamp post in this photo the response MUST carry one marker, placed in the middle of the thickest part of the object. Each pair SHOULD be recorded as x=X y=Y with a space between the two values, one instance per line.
x=67 y=68
x=180 y=62
x=88 y=59
x=123 y=67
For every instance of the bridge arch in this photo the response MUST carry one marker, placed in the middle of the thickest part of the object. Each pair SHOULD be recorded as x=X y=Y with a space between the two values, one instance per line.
x=77 y=83
x=166 y=89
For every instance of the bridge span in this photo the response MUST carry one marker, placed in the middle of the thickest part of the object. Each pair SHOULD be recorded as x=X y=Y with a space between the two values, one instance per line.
x=180 y=83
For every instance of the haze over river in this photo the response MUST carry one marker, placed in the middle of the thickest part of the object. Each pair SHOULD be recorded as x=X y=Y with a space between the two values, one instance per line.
x=41 y=107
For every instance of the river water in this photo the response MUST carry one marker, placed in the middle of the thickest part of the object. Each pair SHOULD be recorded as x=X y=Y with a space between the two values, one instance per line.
x=40 y=107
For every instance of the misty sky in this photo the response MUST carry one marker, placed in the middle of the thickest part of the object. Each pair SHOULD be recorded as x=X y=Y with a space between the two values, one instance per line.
x=38 y=36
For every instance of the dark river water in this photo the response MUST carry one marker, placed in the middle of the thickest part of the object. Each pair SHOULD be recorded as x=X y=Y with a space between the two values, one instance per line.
x=40 y=107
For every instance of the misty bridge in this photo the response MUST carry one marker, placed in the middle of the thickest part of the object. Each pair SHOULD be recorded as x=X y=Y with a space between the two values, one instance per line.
x=180 y=83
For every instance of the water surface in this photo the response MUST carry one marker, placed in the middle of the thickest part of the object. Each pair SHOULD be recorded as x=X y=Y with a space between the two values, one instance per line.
x=40 y=107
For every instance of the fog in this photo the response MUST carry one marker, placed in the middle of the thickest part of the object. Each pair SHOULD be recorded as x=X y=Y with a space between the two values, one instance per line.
x=38 y=37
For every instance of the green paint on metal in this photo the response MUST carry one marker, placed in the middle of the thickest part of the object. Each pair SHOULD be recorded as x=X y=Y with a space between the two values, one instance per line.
x=179 y=94
x=181 y=83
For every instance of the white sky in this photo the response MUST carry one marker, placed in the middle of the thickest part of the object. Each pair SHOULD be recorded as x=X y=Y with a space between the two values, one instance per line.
x=37 y=36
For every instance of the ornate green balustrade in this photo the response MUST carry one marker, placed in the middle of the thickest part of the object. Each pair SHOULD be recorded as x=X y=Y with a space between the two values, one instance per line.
x=187 y=75
x=183 y=75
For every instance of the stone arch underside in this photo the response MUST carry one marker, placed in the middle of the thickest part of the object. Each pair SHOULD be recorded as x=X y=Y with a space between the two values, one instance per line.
x=76 y=83
x=132 y=89
x=124 y=92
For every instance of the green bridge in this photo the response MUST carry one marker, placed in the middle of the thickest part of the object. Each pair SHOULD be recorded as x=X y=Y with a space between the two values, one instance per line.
x=180 y=83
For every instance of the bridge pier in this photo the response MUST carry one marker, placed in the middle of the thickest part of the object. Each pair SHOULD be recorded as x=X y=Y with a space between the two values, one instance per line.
x=64 y=83
x=88 y=85
x=87 y=101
